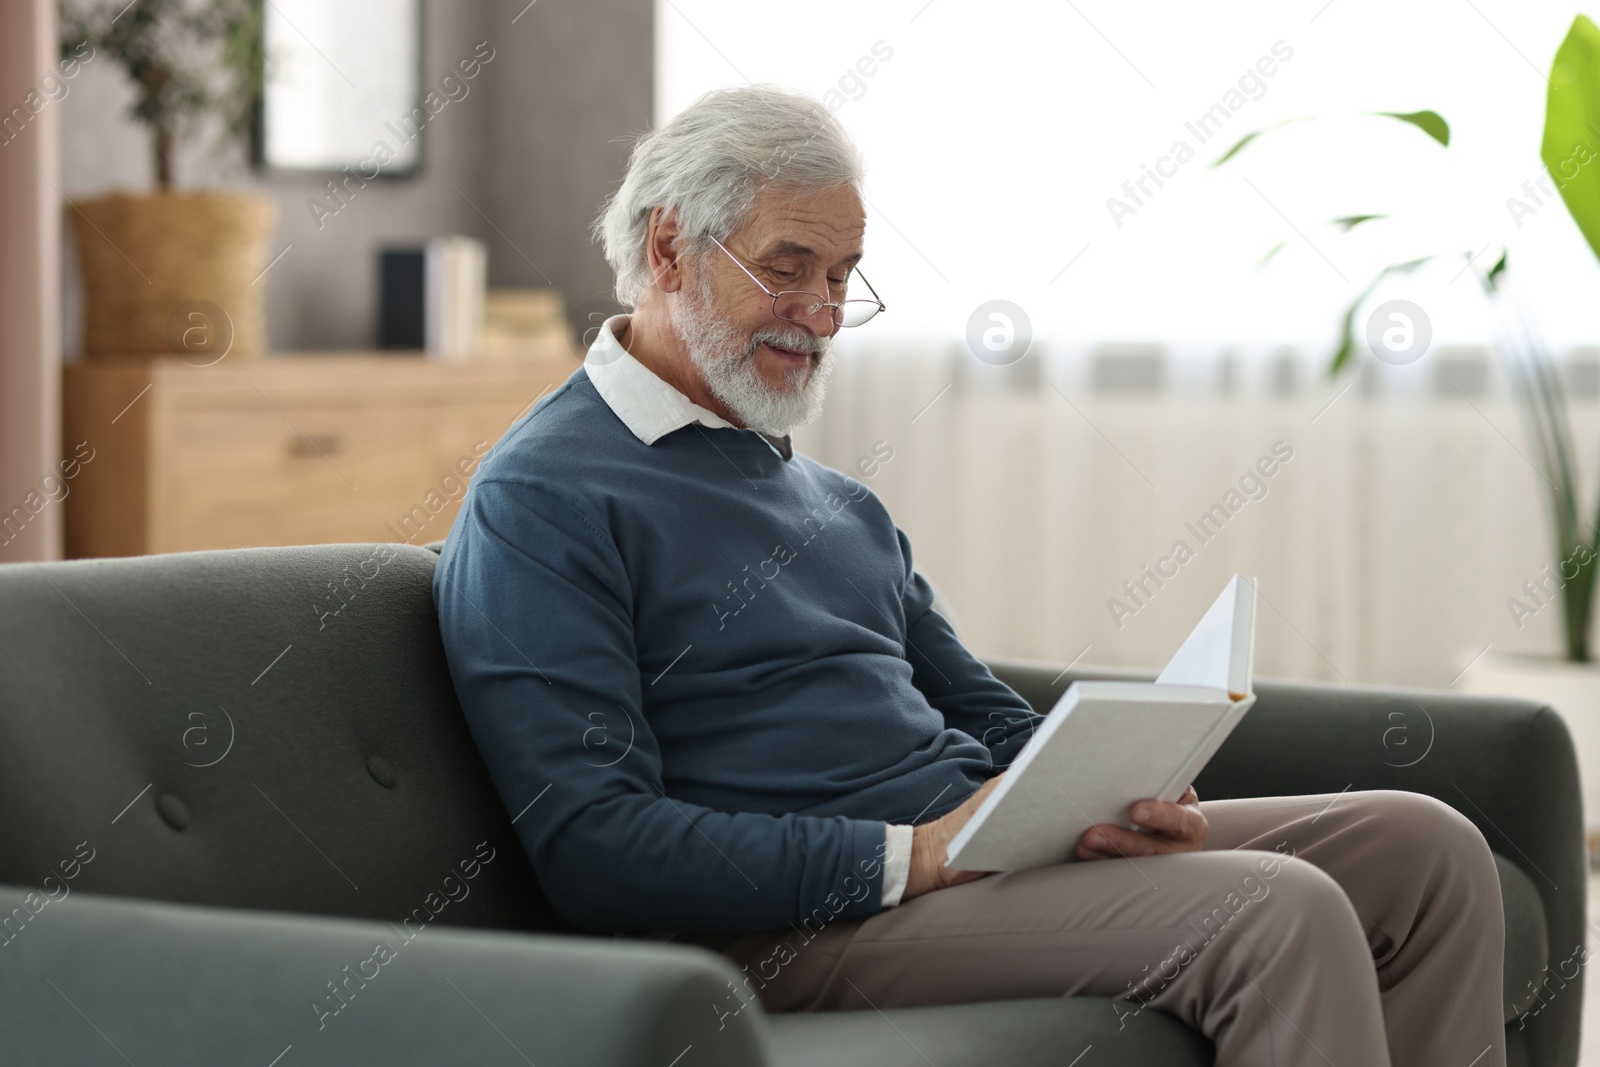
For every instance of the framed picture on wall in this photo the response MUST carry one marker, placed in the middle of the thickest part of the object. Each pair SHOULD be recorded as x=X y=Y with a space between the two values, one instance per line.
x=342 y=87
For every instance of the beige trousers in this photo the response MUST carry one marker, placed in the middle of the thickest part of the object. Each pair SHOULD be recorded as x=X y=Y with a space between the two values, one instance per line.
x=1359 y=929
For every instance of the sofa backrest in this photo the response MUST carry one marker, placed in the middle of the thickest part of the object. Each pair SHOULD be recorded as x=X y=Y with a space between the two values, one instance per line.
x=267 y=727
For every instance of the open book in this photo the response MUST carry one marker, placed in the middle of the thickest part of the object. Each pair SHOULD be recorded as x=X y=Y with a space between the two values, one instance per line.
x=1106 y=745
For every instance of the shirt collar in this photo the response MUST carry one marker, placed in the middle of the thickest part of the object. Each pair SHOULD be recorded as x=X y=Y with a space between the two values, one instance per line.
x=645 y=403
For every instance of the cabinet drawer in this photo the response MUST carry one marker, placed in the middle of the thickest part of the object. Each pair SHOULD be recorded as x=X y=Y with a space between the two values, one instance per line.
x=301 y=449
x=287 y=475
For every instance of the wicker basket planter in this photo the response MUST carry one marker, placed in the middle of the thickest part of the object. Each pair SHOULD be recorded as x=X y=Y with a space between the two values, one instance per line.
x=174 y=274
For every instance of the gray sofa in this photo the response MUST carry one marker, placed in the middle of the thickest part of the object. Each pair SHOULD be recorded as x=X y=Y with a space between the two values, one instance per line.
x=244 y=822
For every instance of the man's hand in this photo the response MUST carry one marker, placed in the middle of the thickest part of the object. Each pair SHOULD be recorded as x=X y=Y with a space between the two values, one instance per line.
x=1175 y=827
x=929 y=842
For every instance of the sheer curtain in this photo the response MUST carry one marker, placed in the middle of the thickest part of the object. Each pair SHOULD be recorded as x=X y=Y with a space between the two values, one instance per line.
x=1400 y=517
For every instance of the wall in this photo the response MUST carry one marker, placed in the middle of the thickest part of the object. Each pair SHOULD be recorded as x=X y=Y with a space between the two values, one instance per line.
x=30 y=388
x=590 y=69
x=521 y=162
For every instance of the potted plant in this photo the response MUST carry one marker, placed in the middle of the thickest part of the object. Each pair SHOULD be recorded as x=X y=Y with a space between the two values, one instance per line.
x=1570 y=150
x=172 y=272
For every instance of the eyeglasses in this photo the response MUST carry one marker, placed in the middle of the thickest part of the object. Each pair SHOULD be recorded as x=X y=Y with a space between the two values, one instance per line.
x=797 y=305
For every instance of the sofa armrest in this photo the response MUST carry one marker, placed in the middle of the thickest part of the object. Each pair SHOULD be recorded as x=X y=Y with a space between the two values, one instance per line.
x=185 y=984
x=1506 y=763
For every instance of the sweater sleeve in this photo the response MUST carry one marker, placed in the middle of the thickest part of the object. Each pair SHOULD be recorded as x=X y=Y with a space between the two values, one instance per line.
x=536 y=615
x=956 y=682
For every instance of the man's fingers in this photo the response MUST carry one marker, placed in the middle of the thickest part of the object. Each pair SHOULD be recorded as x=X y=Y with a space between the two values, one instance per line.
x=1171 y=828
x=1116 y=841
x=1174 y=820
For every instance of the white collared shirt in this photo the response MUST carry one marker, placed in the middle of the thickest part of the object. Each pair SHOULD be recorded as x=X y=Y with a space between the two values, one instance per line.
x=645 y=403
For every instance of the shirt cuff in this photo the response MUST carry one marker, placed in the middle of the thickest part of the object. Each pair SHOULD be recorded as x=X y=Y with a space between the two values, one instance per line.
x=896 y=862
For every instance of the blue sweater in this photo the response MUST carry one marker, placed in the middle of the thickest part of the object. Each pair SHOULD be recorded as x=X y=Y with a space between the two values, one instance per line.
x=703 y=678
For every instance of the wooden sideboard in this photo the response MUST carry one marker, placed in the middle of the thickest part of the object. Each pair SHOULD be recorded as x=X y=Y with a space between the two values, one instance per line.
x=308 y=448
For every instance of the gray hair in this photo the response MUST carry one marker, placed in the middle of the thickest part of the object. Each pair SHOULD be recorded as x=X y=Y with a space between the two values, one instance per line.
x=707 y=165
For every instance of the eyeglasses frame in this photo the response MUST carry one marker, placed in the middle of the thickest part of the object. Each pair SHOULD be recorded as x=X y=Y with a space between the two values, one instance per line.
x=823 y=303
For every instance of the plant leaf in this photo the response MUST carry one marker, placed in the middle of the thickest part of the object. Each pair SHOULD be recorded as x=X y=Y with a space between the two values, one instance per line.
x=1247 y=138
x=1493 y=277
x=1274 y=250
x=1409 y=265
x=1347 y=330
x=1347 y=342
x=1429 y=122
x=1346 y=224
x=1350 y=222
x=1237 y=145
x=1571 y=123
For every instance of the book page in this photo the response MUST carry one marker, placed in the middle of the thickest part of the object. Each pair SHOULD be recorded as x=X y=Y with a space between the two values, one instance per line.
x=1218 y=652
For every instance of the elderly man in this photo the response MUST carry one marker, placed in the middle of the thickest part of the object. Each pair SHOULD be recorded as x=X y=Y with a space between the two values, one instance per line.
x=710 y=686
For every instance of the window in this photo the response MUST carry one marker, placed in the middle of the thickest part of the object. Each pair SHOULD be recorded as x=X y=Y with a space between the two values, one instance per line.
x=998 y=134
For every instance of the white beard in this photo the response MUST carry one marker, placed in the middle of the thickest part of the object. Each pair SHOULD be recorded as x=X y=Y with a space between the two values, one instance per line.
x=728 y=363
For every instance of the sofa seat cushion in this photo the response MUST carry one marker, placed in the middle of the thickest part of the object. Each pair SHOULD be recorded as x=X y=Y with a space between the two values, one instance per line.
x=1527 y=938
x=1037 y=1032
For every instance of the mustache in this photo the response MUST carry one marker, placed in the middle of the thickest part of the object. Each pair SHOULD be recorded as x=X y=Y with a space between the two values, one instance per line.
x=799 y=341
